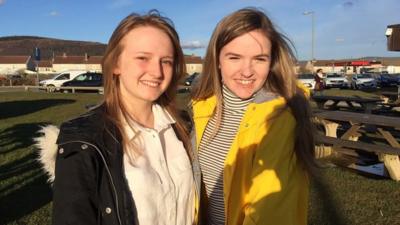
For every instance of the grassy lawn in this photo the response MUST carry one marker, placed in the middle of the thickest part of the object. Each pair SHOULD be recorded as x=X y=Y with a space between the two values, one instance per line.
x=341 y=197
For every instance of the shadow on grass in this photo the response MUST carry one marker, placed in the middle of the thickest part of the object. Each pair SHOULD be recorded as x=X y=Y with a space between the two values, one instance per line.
x=23 y=187
x=18 y=136
x=18 y=167
x=19 y=108
x=25 y=200
x=325 y=207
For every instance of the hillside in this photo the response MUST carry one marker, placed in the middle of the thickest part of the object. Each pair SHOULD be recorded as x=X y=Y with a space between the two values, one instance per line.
x=24 y=45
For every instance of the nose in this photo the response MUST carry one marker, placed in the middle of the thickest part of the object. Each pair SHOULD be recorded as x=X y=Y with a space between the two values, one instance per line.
x=247 y=69
x=156 y=69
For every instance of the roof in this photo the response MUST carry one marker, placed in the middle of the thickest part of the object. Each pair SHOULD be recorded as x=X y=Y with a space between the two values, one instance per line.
x=77 y=60
x=192 y=59
x=45 y=63
x=324 y=62
x=394 y=26
x=391 y=61
x=94 y=59
x=14 y=59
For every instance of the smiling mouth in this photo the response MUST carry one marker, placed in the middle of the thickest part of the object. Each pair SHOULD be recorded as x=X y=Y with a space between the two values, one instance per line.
x=151 y=83
x=244 y=82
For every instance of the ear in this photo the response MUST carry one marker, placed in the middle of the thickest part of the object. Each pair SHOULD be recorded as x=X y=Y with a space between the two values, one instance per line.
x=116 y=71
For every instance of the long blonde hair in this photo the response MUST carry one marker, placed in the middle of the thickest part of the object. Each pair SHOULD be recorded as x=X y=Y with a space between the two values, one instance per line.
x=281 y=78
x=112 y=95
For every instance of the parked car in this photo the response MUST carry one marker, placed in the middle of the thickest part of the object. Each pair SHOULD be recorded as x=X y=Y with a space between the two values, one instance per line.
x=364 y=80
x=189 y=80
x=15 y=77
x=88 y=79
x=54 y=83
x=386 y=80
x=335 y=80
x=307 y=79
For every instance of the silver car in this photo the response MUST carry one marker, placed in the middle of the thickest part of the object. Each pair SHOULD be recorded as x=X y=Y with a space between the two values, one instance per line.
x=334 y=80
x=364 y=80
x=307 y=80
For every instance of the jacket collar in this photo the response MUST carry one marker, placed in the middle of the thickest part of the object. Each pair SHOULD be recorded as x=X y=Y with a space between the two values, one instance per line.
x=206 y=107
x=265 y=95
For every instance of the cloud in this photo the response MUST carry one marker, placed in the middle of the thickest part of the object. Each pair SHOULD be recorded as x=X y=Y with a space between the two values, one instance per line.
x=53 y=13
x=192 y=45
x=2 y=2
x=348 y=4
x=116 y=4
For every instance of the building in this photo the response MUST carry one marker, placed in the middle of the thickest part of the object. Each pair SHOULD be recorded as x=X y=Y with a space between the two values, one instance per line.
x=86 y=62
x=353 y=66
x=393 y=37
x=194 y=64
x=45 y=66
x=15 y=64
x=392 y=65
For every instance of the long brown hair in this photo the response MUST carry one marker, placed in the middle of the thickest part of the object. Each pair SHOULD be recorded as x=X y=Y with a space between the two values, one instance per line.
x=115 y=109
x=281 y=78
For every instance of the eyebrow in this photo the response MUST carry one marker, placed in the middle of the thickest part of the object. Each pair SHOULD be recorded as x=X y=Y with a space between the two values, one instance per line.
x=235 y=54
x=140 y=52
x=149 y=53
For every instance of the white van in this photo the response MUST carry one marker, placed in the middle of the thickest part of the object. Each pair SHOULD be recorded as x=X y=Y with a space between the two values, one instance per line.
x=54 y=83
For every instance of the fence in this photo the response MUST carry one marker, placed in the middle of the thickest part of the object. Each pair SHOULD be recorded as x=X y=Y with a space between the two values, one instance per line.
x=100 y=90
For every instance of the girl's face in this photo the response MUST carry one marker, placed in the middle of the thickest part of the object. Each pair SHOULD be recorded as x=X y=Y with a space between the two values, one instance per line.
x=145 y=65
x=245 y=63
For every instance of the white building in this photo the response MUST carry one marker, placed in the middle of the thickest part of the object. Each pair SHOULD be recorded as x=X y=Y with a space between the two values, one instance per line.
x=88 y=63
x=15 y=64
x=194 y=64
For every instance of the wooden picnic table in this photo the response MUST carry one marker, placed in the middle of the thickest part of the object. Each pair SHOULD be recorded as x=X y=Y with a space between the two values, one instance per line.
x=390 y=100
x=358 y=118
x=367 y=104
x=390 y=94
x=348 y=142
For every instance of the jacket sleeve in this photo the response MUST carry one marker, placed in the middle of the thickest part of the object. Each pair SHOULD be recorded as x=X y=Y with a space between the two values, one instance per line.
x=75 y=190
x=278 y=193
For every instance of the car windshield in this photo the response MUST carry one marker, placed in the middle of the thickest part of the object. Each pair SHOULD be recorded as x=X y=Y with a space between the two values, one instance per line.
x=82 y=77
x=333 y=75
x=365 y=75
x=306 y=76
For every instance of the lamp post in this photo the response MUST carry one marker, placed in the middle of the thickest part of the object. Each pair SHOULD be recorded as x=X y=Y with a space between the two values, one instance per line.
x=312 y=36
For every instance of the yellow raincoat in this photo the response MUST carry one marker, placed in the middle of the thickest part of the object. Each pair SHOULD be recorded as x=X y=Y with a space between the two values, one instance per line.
x=263 y=181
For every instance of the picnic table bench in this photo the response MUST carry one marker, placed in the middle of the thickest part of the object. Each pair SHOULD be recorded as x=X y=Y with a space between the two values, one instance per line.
x=367 y=104
x=390 y=100
x=348 y=143
x=390 y=95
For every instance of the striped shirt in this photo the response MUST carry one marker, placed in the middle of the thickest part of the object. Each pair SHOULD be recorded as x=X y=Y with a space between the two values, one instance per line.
x=213 y=151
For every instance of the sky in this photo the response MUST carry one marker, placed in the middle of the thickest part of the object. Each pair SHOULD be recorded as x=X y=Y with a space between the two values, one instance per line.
x=343 y=28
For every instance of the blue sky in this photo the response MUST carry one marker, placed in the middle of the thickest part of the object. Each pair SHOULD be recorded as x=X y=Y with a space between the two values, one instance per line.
x=343 y=28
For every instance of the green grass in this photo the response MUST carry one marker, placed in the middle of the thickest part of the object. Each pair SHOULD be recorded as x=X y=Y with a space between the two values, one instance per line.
x=25 y=198
x=349 y=92
x=341 y=197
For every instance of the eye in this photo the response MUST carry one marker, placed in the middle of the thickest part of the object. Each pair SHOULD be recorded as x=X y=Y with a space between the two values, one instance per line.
x=167 y=62
x=233 y=57
x=142 y=58
x=262 y=59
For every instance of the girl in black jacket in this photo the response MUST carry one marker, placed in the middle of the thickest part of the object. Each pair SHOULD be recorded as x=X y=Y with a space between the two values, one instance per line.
x=128 y=161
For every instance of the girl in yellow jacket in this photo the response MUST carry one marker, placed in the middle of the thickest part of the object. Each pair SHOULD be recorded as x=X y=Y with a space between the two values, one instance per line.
x=252 y=126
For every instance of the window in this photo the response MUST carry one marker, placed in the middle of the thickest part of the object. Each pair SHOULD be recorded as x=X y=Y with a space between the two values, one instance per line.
x=82 y=77
x=96 y=76
x=64 y=76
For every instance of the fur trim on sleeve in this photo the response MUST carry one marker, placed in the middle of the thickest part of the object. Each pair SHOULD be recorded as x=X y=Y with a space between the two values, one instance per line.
x=48 y=149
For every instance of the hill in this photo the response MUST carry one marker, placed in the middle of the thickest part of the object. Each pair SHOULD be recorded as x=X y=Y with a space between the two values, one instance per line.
x=24 y=45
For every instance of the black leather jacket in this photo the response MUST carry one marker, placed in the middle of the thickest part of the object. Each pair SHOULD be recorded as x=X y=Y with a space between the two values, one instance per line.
x=90 y=185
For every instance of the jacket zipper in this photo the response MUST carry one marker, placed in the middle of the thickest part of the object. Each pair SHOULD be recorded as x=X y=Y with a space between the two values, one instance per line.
x=108 y=172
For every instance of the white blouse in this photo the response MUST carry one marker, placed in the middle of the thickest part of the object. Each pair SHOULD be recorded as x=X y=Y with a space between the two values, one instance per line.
x=161 y=179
